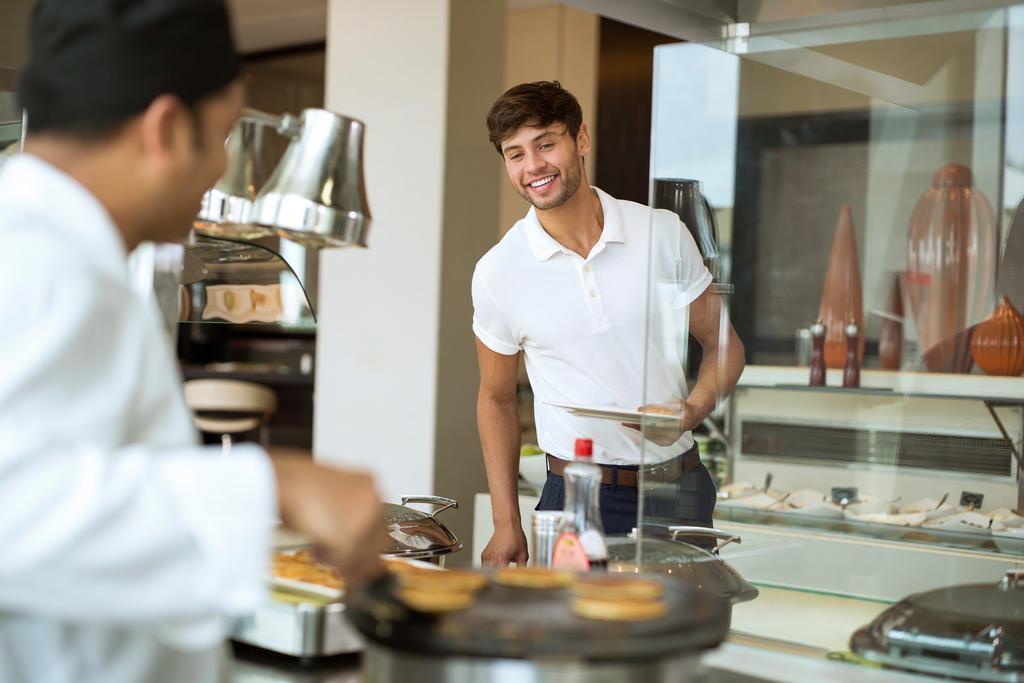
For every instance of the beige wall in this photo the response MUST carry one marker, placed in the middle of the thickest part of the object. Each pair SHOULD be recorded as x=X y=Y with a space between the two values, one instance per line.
x=396 y=369
x=549 y=43
x=14 y=17
x=910 y=71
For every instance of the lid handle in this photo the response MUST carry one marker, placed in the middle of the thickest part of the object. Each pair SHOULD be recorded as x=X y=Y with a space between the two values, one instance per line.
x=724 y=536
x=445 y=503
x=1013 y=578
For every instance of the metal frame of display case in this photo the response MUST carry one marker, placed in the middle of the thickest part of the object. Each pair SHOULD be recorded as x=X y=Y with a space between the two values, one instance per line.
x=908 y=385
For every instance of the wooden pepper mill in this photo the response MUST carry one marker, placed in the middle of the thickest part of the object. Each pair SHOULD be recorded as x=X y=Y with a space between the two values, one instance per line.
x=851 y=371
x=818 y=331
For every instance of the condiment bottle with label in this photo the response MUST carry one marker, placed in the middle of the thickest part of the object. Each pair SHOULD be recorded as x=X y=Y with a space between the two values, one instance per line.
x=851 y=371
x=581 y=547
x=818 y=330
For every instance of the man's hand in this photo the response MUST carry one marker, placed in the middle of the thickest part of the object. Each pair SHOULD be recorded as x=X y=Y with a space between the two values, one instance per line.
x=508 y=544
x=665 y=432
x=339 y=509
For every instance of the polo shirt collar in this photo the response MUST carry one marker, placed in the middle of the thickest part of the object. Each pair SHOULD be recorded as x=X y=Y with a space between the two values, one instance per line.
x=544 y=246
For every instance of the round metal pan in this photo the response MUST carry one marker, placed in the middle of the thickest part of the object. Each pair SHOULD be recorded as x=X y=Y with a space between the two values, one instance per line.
x=527 y=623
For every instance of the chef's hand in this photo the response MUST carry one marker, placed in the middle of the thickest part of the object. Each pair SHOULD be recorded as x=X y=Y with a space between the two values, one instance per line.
x=508 y=544
x=665 y=432
x=339 y=509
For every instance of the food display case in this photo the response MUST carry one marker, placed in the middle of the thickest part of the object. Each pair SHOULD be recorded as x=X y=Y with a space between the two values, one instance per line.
x=861 y=172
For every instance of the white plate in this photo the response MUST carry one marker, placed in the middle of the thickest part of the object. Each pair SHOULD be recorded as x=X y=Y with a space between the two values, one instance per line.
x=306 y=587
x=967 y=523
x=1007 y=517
x=737 y=489
x=892 y=519
x=818 y=509
x=805 y=498
x=756 y=501
x=928 y=507
x=612 y=413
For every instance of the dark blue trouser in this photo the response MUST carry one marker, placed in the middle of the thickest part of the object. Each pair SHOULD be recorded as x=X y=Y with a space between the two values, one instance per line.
x=687 y=500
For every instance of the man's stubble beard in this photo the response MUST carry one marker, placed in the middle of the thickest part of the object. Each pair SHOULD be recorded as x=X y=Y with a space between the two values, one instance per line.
x=571 y=183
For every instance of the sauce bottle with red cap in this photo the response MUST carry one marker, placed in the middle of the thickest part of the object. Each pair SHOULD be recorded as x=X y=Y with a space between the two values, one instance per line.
x=581 y=547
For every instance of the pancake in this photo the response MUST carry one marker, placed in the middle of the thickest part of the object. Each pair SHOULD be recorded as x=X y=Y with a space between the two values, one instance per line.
x=435 y=602
x=532 y=577
x=618 y=610
x=452 y=581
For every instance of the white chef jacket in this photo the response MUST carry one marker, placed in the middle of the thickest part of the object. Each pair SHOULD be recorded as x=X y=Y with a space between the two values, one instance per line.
x=607 y=330
x=125 y=547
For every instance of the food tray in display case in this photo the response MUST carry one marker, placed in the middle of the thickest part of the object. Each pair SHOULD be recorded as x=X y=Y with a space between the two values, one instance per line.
x=952 y=535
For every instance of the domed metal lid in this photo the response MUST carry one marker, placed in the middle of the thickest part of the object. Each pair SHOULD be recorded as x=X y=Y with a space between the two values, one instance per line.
x=974 y=631
x=699 y=567
x=417 y=535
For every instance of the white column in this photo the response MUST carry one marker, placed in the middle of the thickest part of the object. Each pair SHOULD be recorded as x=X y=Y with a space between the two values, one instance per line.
x=396 y=372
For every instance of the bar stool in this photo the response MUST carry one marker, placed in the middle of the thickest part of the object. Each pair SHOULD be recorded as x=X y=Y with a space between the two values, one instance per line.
x=229 y=407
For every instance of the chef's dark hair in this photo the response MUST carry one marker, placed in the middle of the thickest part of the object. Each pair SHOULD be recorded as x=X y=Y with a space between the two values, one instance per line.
x=95 y=64
x=533 y=104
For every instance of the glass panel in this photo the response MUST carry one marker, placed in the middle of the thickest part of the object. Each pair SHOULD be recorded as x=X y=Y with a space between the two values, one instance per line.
x=237 y=282
x=863 y=172
x=10 y=123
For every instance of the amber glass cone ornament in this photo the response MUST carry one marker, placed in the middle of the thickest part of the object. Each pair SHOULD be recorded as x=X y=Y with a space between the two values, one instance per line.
x=841 y=299
x=998 y=342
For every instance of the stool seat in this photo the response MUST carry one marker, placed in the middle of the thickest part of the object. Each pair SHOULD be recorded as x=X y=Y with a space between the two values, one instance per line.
x=228 y=406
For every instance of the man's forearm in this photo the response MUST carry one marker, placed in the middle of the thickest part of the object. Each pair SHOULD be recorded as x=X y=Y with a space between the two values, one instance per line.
x=498 y=424
x=720 y=369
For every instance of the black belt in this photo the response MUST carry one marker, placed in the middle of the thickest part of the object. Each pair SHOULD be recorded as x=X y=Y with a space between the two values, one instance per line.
x=623 y=475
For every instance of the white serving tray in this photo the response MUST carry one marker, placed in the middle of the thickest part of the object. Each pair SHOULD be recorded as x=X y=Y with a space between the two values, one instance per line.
x=613 y=413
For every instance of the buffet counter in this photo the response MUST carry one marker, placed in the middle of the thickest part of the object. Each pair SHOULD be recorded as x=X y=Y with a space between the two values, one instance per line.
x=733 y=662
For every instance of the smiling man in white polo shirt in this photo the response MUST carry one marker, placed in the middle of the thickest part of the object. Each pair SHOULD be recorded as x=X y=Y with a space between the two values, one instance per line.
x=567 y=286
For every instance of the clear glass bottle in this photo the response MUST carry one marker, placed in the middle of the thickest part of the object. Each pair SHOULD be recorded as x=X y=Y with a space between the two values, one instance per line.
x=583 y=504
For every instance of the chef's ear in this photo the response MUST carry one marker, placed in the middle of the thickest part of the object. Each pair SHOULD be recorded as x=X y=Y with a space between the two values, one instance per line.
x=166 y=126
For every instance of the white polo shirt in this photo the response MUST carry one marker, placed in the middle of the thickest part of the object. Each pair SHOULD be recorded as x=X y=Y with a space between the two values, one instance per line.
x=582 y=322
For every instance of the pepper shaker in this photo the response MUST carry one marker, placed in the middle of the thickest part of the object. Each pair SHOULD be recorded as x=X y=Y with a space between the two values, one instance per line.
x=818 y=330
x=851 y=371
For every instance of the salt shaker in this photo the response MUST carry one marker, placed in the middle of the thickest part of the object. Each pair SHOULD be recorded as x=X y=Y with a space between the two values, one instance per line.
x=851 y=371
x=818 y=330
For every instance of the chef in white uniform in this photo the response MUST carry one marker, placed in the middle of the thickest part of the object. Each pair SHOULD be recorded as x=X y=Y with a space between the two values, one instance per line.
x=126 y=549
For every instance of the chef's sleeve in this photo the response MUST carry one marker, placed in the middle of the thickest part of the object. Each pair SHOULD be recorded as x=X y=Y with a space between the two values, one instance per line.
x=135 y=535
x=154 y=532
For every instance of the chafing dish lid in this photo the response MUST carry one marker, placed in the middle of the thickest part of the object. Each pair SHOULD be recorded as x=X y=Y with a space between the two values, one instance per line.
x=696 y=566
x=979 y=625
x=416 y=534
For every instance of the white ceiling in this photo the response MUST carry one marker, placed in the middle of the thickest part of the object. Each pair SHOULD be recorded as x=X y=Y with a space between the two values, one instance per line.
x=271 y=24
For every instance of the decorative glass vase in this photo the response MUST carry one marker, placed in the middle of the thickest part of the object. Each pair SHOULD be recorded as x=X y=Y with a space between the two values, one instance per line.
x=998 y=341
x=951 y=252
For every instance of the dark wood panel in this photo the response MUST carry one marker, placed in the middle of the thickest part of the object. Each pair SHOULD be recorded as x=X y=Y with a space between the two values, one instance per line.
x=625 y=78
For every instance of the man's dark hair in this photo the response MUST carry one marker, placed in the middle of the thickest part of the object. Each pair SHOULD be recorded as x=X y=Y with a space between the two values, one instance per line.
x=93 y=131
x=533 y=104
x=95 y=64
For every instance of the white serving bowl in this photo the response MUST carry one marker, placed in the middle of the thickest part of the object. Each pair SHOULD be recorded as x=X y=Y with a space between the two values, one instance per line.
x=930 y=508
x=755 y=501
x=1007 y=517
x=967 y=523
x=819 y=508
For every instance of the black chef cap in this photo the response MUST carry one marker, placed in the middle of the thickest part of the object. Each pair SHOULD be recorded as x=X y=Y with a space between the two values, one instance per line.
x=95 y=63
